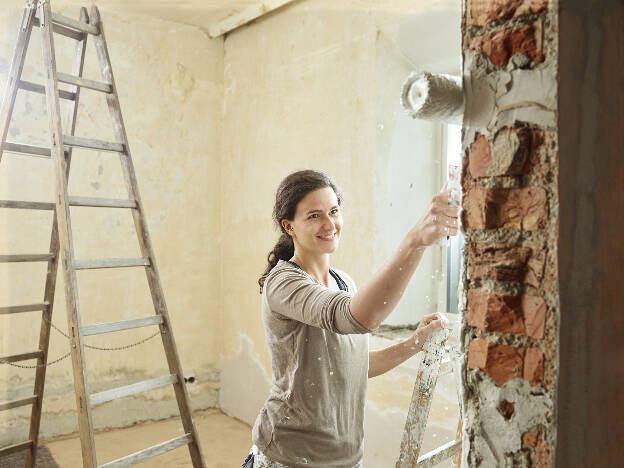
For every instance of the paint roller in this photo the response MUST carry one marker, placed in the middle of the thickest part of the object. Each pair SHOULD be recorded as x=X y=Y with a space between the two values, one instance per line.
x=433 y=97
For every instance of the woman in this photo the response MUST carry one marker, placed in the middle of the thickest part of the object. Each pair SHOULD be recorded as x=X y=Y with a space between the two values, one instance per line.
x=317 y=324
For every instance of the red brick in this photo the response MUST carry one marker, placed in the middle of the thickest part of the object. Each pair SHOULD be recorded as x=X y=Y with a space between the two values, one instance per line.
x=508 y=208
x=523 y=315
x=479 y=157
x=534 y=366
x=499 y=46
x=522 y=263
x=506 y=408
x=483 y=12
x=540 y=457
x=477 y=353
x=529 y=439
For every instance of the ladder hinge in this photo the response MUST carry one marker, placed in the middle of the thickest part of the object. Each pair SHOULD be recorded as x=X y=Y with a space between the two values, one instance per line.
x=28 y=8
x=42 y=17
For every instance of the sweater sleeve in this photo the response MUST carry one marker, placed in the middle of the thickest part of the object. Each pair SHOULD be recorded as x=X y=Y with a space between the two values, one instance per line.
x=291 y=294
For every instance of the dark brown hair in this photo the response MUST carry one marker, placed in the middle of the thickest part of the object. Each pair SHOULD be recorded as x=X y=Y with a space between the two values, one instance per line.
x=289 y=193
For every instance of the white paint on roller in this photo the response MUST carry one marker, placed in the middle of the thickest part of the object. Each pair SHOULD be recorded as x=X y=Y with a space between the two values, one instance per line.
x=433 y=97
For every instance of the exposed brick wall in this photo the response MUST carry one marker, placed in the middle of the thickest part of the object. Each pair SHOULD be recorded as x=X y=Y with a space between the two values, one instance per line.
x=510 y=220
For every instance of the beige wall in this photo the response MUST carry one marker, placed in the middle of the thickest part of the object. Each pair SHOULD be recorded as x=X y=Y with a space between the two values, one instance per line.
x=170 y=84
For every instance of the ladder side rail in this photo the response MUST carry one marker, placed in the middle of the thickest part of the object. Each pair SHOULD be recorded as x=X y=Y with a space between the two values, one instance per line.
x=12 y=85
x=153 y=278
x=422 y=396
x=52 y=272
x=85 y=421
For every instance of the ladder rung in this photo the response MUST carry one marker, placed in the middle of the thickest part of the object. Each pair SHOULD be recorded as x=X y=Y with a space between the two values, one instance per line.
x=7 y=405
x=436 y=456
x=74 y=24
x=57 y=28
x=22 y=357
x=83 y=82
x=110 y=263
x=102 y=202
x=26 y=205
x=149 y=452
x=122 y=325
x=132 y=389
x=37 y=88
x=23 y=308
x=69 y=140
x=15 y=448
x=26 y=149
x=26 y=258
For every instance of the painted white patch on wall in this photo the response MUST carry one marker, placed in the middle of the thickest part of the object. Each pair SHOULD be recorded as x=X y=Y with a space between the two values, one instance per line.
x=245 y=383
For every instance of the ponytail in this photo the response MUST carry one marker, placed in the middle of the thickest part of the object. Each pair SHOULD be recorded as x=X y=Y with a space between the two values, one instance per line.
x=283 y=250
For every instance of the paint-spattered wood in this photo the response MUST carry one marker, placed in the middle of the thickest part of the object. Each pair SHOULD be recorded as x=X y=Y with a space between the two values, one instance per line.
x=101 y=202
x=30 y=150
x=145 y=243
x=245 y=16
x=40 y=89
x=18 y=258
x=52 y=270
x=150 y=452
x=426 y=379
x=7 y=405
x=74 y=24
x=15 y=73
x=26 y=205
x=110 y=263
x=63 y=31
x=90 y=143
x=85 y=422
x=132 y=389
x=121 y=325
x=22 y=308
x=83 y=82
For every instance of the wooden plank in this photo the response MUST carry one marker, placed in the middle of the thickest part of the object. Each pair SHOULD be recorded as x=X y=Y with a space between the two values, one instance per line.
x=422 y=396
x=108 y=327
x=26 y=149
x=110 y=263
x=37 y=88
x=132 y=389
x=243 y=17
x=83 y=82
x=101 y=202
x=63 y=31
x=17 y=64
x=75 y=24
x=26 y=205
x=7 y=405
x=145 y=243
x=15 y=448
x=440 y=454
x=69 y=140
x=149 y=452
x=23 y=308
x=22 y=357
x=66 y=248
x=25 y=258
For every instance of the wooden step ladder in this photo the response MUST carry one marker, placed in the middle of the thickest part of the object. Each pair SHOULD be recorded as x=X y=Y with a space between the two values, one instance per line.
x=434 y=351
x=61 y=144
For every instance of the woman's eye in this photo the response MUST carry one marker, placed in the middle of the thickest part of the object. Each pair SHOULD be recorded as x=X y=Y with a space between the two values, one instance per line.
x=312 y=216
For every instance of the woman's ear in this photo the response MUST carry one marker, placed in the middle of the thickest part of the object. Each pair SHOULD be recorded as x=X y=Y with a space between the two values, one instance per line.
x=287 y=226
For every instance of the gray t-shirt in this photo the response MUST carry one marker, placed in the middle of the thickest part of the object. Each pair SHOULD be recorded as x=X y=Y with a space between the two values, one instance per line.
x=314 y=414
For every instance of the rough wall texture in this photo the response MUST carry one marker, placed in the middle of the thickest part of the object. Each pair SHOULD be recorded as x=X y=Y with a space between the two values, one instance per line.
x=510 y=219
x=170 y=94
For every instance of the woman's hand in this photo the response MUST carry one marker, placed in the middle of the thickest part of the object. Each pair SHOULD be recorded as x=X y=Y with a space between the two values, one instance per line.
x=439 y=221
x=427 y=324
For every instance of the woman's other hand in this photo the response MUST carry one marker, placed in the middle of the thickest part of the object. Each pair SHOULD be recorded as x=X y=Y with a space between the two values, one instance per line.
x=427 y=324
x=439 y=221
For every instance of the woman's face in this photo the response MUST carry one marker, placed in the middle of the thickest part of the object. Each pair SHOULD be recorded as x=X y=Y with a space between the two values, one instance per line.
x=318 y=222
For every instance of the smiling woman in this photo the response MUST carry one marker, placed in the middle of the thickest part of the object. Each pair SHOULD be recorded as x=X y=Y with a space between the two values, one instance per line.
x=317 y=326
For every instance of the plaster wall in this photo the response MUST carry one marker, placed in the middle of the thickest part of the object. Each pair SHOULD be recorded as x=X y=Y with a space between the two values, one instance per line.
x=170 y=84
x=317 y=85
